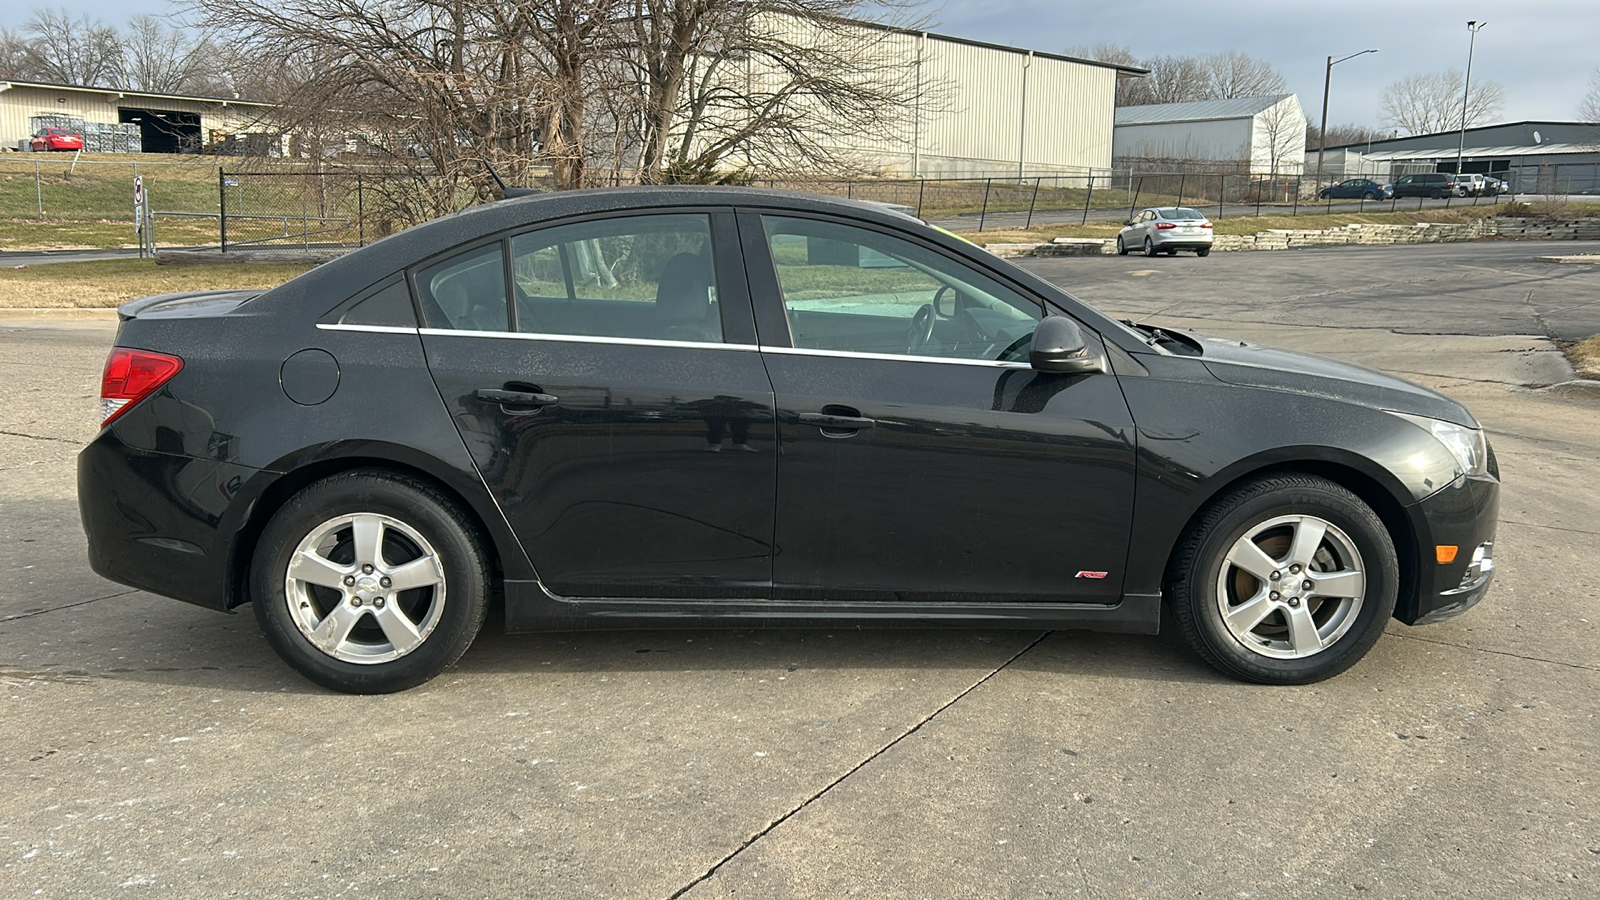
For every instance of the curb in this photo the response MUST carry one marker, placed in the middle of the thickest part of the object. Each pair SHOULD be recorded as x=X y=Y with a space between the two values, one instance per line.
x=1580 y=388
x=65 y=312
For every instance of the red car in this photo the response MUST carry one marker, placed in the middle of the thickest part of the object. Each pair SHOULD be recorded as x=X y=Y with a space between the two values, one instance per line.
x=55 y=139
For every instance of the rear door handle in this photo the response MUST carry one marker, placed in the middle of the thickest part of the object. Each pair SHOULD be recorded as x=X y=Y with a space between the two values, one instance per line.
x=516 y=398
x=828 y=420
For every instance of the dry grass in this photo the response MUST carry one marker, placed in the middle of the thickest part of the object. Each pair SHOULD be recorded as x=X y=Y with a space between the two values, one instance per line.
x=1235 y=224
x=1585 y=357
x=113 y=282
x=32 y=234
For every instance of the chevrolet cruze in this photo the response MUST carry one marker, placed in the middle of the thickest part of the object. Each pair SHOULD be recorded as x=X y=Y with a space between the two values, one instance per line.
x=670 y=407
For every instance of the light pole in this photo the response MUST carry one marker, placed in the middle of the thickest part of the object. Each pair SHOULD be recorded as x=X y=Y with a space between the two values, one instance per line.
x=1322 y=135
x=1472 y=25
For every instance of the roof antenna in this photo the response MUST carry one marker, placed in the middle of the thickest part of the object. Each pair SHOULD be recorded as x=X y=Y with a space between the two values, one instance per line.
x=508 y=193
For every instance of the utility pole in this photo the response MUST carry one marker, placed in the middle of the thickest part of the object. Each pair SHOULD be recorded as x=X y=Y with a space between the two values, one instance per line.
x=1322 y=136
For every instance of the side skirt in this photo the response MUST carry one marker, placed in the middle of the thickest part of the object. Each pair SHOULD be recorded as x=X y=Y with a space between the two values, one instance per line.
x=529 y=607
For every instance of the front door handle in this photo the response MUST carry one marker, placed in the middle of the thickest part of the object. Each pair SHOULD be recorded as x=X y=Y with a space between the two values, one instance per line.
x=516 y=398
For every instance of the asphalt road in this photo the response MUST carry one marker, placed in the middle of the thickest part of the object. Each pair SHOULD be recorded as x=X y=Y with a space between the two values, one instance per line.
x=148 y=748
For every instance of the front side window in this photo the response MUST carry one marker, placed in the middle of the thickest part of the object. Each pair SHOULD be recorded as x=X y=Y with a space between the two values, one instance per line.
x=855 y=290
x=631 y=277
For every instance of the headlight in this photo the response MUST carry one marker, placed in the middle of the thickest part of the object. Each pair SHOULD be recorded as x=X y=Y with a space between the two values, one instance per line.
x=1468 y=445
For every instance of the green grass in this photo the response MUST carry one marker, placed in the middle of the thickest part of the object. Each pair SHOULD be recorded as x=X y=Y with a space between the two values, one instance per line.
x=113 y=282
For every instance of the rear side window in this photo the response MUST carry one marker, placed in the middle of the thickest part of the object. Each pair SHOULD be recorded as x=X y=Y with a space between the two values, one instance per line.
x=649 y=276
x=467 y=292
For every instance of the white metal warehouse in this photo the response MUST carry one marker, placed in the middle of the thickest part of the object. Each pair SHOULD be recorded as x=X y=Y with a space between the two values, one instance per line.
x=1258 y=135
x=1000 y=111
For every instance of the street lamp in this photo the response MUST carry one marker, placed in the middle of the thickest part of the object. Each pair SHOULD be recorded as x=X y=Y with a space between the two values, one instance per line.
x=1322 y=135
x=1472 y=25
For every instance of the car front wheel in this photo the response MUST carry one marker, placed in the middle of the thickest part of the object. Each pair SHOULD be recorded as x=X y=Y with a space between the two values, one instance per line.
x=370 y=582
x=1285 y=580
x=1122 y=249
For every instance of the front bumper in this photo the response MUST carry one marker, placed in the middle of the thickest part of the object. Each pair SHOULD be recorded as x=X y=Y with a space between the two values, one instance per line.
x=1464 y=516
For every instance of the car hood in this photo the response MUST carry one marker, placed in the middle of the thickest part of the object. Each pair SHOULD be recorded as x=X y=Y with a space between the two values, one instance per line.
x=1254 y=365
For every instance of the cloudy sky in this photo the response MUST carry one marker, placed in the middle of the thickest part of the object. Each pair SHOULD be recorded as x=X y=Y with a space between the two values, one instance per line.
x=1541 y=51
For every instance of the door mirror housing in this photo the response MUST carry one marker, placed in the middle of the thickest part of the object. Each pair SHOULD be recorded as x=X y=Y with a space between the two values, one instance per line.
x=1126 y=222
x=1059 y=347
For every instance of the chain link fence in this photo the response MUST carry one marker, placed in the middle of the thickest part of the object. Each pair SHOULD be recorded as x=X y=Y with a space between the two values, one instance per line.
x=193 y=201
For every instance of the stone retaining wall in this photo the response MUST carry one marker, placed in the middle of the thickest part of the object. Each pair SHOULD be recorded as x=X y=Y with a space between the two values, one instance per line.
x=1291 y=238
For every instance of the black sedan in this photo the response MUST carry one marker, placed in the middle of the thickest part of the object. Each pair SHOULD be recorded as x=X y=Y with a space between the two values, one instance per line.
x=665 y=407
x=1359 y=189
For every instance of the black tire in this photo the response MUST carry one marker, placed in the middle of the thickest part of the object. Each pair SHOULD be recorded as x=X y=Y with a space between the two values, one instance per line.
x=1149 y=248
x=1203 y=251
x=1370 y=195
x=1122 y=250
x=1271 y=514
x=1438 y=195
x=420 y=537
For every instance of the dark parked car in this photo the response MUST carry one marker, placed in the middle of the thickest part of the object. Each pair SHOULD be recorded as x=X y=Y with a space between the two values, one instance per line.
x=1429 y=184
x=1359 y=189
x=663 y=407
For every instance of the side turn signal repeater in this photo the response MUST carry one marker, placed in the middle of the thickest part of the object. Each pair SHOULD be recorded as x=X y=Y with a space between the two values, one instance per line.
x=1446 y=553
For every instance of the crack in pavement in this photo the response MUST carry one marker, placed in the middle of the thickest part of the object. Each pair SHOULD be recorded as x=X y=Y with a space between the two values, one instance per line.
x=1551 y=527
x=40 y=437
x=1521 y=656
x=771 y=826
x=40 y=612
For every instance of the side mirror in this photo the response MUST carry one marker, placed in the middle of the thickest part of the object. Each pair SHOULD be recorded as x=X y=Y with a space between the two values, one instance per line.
x=1127 y=221
x=1058 y=346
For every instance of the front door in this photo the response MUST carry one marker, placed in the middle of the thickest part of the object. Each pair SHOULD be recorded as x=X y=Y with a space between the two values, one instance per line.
x=616 y=406
x=922 y=458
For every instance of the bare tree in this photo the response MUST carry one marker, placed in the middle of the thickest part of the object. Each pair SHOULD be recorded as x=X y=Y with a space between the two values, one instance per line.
x=80 y=51
x=766 y=88
x=647 y=90
x=1589 y=106
x=1176 y=79
x=1283 y=131
x=1130 y=91
x=1341 y=135
x=16 y=62
x=1182 y=79
x=1430 y=102
x=1233 y=74
x=166 y=60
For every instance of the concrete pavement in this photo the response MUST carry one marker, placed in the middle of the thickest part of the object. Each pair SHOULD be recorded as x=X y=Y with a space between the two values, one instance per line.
x=149 y=748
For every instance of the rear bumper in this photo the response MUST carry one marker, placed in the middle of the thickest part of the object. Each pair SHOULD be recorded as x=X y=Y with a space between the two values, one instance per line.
x=160 y=522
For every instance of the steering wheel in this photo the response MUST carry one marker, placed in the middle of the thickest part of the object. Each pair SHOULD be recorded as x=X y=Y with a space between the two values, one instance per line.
x=920 y=332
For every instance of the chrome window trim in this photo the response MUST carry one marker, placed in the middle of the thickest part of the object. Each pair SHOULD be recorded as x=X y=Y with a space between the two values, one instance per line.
x=584 y=339
x=374 y=329
x=853 y=354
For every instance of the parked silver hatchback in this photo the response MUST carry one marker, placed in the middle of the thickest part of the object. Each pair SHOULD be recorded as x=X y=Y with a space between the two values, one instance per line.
x=1166 y=229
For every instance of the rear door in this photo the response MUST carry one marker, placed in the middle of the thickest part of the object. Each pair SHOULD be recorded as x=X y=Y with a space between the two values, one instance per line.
x=605 y=376
x=922 y=458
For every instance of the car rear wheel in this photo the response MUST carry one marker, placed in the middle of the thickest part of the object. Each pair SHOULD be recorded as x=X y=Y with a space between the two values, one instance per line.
x=370 y=582
x=1203 y=251
x=1149 y=247
x=1285 y=580
x=1370 y=195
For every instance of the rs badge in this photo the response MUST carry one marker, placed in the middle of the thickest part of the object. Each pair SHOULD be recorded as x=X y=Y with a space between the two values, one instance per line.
x=1095 y=575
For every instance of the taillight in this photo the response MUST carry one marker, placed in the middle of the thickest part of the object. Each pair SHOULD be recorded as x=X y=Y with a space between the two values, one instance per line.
x=1206 y=225
x=131 y=376
x=1163 y=226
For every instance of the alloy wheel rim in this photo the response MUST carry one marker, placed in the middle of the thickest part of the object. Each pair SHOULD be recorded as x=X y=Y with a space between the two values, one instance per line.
x=1290 y=587
x=365 y=588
